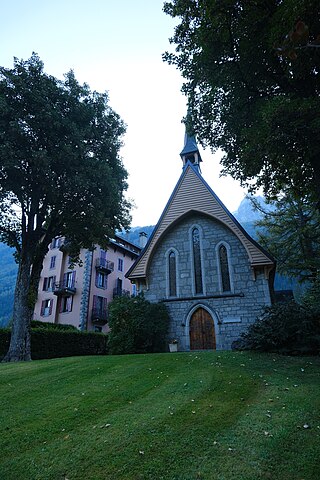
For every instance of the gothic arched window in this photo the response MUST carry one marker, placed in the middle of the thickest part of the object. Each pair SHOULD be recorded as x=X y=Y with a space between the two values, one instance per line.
x=172 y=274
x=224 y=269
x=197 y=261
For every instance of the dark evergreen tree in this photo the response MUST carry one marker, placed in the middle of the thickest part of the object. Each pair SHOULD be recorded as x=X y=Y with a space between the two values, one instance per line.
x=291 y=232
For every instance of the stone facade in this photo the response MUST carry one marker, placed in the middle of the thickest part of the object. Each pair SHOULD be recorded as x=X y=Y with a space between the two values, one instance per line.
x=232 y=311
x=203 y=265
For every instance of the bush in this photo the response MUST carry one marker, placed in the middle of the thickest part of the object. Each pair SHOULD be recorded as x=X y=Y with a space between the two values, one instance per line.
x=288 y=328
x=54 y=326
x=311 y=297
x=137 y=326
x=54 y=343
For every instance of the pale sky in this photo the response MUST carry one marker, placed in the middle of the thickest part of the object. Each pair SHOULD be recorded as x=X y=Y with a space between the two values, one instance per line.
x=116 y=46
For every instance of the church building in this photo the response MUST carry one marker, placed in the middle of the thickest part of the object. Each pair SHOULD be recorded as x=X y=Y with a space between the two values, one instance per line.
x=213 y=277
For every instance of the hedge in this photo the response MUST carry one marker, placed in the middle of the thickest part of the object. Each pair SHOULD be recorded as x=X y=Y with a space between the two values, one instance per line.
x=51 y=343
x=54 y=326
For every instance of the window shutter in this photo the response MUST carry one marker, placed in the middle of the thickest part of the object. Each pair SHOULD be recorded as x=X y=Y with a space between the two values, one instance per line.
x=43 y=303
x=73 y=278
x=60 y=305
x=50 y=307
x=65 y=279
x=94 y=302
x=104 y=305
x=69 y=304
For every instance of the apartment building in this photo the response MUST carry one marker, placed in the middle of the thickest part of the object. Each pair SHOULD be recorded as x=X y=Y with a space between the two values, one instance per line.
x=80 y=295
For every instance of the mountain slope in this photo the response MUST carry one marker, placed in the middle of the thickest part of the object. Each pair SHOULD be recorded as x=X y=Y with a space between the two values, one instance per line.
x=8 y=273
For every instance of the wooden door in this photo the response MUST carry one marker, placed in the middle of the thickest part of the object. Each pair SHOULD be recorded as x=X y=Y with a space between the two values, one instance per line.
x=202 y=335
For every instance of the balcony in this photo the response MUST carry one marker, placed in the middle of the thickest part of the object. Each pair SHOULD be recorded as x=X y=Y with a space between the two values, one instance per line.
x=64 y=289
x=99 y=316
x=118 y=292
x=104 y=266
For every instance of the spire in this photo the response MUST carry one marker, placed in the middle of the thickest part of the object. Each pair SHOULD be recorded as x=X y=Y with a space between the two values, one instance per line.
x=190 y=151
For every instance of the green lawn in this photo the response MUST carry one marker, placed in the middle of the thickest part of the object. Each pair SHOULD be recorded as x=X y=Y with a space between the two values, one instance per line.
x=184 y=416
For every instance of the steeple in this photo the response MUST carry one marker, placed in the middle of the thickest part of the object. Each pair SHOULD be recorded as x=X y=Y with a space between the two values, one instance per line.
x=190 y=151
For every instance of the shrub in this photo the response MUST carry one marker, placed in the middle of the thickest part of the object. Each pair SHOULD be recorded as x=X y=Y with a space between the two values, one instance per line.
x=287 y=328
x=312 y=297
x=54 y=343
x=137 y=326
x=54 y=326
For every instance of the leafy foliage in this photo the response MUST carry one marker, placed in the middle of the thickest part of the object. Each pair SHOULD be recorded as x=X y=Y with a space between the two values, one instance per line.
x=291 y=232
x=55 y=343
x=59 y=159
x=137 y=326
x=60 y=175
x=288 y=328
x=52 y=326
x=312 y=297
x=245 y=96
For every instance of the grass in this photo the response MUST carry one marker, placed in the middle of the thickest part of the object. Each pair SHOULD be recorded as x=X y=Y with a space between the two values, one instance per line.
x=184 y=416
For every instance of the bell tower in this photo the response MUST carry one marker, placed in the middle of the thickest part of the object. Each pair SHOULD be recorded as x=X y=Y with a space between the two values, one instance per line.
x=190 y=152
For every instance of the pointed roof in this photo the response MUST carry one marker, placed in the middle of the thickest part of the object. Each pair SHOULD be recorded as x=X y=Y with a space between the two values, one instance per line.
x=204 y=201
x=190 y=146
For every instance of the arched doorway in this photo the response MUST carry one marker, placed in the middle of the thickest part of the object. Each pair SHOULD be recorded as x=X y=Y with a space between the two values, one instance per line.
x=202 y=334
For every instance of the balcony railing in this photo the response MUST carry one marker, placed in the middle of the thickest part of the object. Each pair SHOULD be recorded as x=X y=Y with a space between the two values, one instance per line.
x=104 y=265
x=64 y=289
x=118 y=292
x=100 y=316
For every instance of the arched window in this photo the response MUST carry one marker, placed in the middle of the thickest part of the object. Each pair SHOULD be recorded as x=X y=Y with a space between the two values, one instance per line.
x=172 y=264
x=224 y=269
x=197 y=261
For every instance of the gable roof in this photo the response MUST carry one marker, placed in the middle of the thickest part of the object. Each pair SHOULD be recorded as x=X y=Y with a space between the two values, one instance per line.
x=193 y=194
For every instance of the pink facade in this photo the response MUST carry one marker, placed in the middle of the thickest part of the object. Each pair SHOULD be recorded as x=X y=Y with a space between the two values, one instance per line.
x=80 y=296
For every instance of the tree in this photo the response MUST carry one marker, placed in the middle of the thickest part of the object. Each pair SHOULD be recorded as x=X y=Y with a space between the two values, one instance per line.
x=60 y=176
x=290 y=230
x=251 y=92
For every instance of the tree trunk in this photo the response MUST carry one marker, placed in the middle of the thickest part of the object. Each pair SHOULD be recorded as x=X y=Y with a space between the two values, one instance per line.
x=20 y=343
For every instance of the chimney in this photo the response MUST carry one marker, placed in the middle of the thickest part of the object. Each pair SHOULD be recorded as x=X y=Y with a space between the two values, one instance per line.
x=143 y=238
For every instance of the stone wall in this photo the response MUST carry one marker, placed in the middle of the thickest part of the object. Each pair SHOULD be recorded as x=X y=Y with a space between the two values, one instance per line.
x=232 y=312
